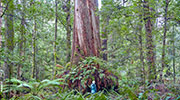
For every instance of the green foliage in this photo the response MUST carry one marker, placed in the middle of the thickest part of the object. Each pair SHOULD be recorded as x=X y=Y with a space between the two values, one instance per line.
x=32 y=89
x=177 y=98
x=125 y=27
x=92 y=60
x=129 y=89
x=88 y=69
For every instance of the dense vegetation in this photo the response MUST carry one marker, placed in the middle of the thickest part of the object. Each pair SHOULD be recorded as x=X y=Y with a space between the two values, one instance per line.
x=137 y=58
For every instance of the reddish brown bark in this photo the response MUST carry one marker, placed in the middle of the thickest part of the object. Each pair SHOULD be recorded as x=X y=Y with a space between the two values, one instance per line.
x=86 y=39
x=86 y=43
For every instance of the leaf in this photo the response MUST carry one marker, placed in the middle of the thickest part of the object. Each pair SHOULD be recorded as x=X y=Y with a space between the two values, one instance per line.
x=14 y=80
x=143 y=95
x=130 y=93
x=46 y=83
x=178 y=98
x=167 y=98
x=31 y=97
x=24 y=85
x=101 y=75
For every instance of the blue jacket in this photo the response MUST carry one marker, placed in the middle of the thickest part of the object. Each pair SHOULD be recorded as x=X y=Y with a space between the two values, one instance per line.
x=93 y=88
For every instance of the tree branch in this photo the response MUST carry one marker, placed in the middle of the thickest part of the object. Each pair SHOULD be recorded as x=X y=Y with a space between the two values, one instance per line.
x=63 y=23
x=5 y=9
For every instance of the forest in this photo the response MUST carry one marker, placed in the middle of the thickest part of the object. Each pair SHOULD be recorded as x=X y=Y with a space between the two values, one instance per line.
x=90 y=49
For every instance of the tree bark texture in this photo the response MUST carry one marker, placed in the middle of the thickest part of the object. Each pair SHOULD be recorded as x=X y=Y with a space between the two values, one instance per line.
x=86 y=37
x=164 y=40
x=86 y=43
x=149 y=41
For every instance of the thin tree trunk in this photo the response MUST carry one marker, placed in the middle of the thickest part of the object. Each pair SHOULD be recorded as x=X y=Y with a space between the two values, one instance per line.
x=105 y=39
x=21 y=45
x=68 y=29
x=9 y=42
x=24 y=38
x=34 y=50
x=9 y=39
x=174 y=59
x=0 y=29
x=143 y=74
x=149 y=42
x=164 y=40
x=86 y=37
x=55 y=36
x=36 y=68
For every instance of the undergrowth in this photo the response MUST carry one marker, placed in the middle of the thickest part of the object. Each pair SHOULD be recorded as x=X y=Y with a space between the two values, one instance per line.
x=52 y=90
x=70 y=85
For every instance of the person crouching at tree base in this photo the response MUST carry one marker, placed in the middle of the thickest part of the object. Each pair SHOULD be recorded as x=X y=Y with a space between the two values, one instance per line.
x=93 y=87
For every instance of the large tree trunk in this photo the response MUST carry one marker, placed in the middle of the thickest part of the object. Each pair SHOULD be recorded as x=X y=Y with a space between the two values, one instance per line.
x=86 y=38
x=86 y=43
x=149 y=41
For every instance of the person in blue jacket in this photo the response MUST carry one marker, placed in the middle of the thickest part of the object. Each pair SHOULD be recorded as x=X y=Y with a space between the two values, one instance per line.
x=93 y=87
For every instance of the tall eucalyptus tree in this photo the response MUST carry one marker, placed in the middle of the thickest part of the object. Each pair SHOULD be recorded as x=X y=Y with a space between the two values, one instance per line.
x=86 y=37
